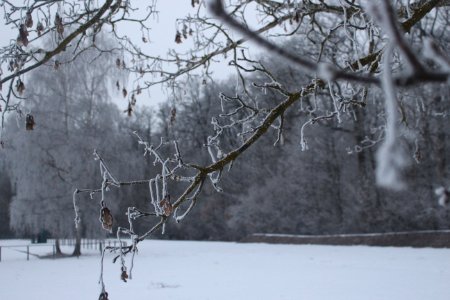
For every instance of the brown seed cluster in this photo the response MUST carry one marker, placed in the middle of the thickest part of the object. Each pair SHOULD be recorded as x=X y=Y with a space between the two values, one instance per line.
x=29 y=122
x=124 y=275
x=103 y=296
x=166 y=206
x=106 y=218
x=59 y=25
x=20 y=86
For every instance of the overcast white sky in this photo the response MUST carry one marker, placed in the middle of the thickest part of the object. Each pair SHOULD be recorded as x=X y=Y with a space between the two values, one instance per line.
x=162 y=35
x=161 y=39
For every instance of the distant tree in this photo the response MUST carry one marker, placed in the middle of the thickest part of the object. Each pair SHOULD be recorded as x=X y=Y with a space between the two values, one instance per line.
x=72 y=115
x=6 y=194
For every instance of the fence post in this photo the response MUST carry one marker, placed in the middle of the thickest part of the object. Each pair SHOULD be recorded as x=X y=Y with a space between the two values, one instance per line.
x=28 y=252
x=54 y=251
x=100 y=246
x=0 y=253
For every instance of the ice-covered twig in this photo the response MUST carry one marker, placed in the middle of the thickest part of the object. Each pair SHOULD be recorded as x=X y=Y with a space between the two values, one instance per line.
x=386 y=17
x=76 y=208
x=329 y=72
x=390 y=159
x=193 y=200
x=104 y=170
x=443 y=195
x=279 y=129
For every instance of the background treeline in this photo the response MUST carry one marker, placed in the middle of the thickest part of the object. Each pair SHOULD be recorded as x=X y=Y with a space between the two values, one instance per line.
x=330 y=188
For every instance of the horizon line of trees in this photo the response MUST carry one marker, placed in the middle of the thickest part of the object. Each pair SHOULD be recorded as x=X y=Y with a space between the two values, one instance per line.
x=273 y=189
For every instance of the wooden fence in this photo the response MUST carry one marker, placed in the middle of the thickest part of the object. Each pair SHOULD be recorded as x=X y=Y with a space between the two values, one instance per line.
x=419 y=239
x=92 y=244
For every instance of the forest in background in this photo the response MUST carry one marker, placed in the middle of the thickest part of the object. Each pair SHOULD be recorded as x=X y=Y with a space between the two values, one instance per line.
x=328 y=188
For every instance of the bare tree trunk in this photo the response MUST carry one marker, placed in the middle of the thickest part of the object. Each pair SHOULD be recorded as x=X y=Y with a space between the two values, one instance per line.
x=77 y=249
x=334 y=171
x=57 y=247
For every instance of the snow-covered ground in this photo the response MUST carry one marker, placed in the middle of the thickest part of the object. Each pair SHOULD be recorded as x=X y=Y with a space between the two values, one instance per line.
x=213 y=270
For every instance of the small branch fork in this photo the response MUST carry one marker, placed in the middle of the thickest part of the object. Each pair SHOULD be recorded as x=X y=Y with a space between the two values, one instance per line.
x=88 y=21
x=173 y=168
x=330 y=73
x=418 y=73
x=72 y=24
x=159 y=194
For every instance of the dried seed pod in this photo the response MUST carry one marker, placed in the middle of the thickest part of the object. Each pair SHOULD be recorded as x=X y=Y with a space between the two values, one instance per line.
x=29 y=122
x=418 y=156
x=144 y=39
x=118 y=85
x=124 y=275
x=129 y=109
x=106 y=218
x=39 y=28
x=29 y=20
x=22 y=39
x=297 y=17
x=133 y=99
x=59 y=25
x=166 y=206
x=56 y=64
x=118 y=62
x=178 y=38
x=124 y=92
x=103 y=296
x=173 y=115
x=138 y=90
x=184 y=31
x=20 y=86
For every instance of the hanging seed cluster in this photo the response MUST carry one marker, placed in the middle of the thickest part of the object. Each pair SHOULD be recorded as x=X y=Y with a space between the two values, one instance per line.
x=106 y=218
x=22 y=38
x=29 y=122
x=20 y=87
x=59 y=25
x=183 y=34
x=166 y=206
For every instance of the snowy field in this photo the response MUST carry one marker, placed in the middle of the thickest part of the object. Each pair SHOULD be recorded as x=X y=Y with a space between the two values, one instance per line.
x=213 y=270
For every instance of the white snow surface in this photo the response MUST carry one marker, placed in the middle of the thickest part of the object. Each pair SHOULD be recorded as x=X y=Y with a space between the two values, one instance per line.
x=218 y=270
